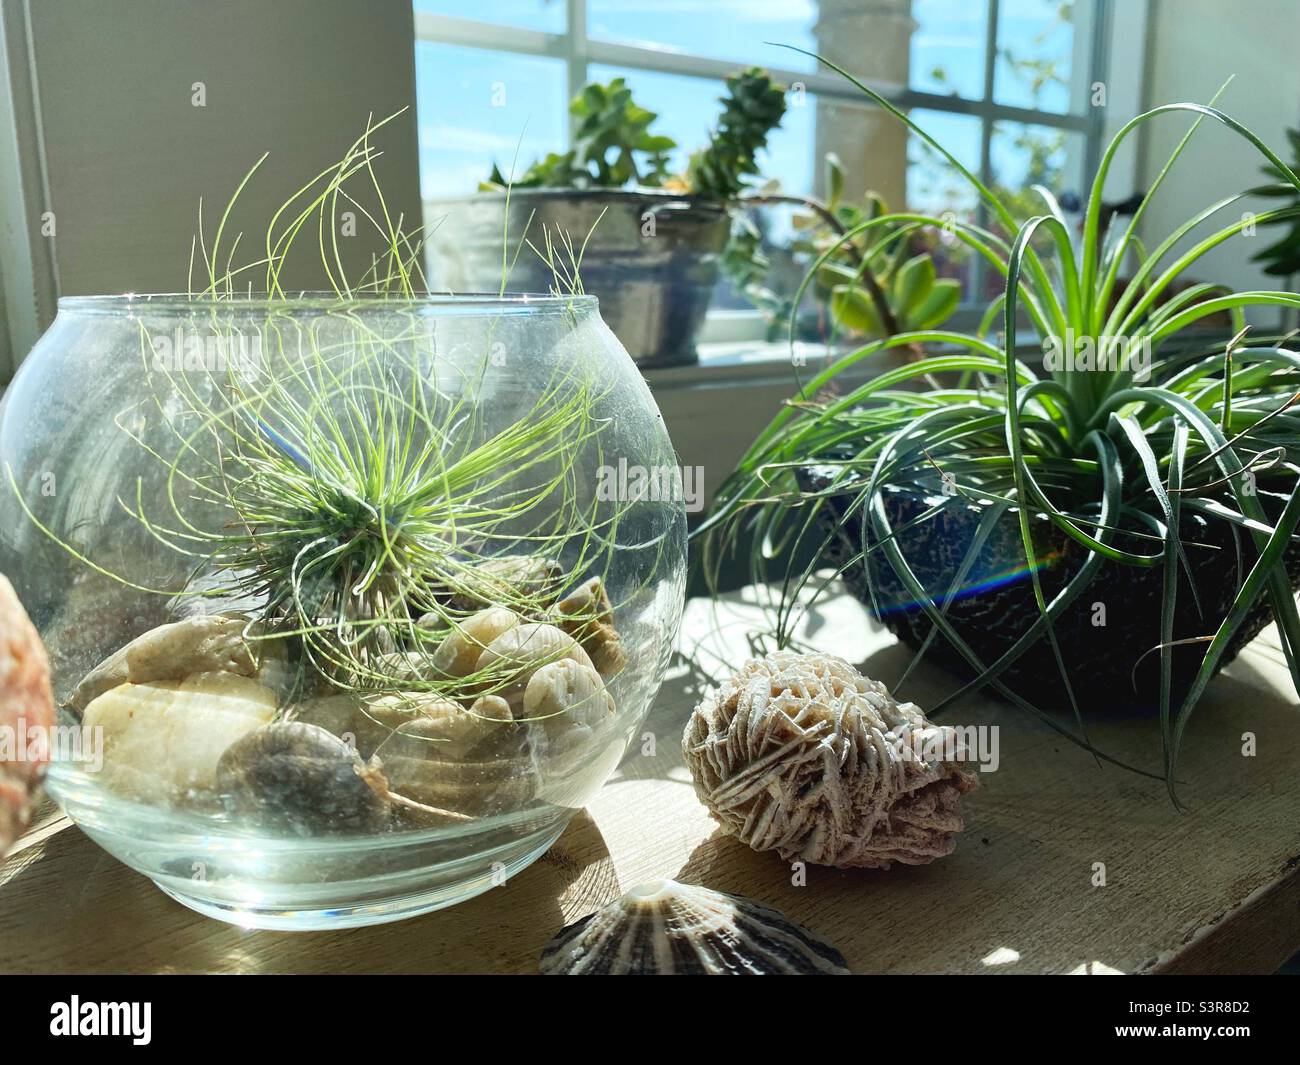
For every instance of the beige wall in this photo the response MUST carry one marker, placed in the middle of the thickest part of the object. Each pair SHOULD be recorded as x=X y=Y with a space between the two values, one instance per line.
x=127 y=155
x=871 y=40
x=1195 y=46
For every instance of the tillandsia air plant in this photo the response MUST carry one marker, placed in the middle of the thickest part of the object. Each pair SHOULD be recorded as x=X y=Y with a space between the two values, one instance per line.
x=1136 y=460
x=336 y=483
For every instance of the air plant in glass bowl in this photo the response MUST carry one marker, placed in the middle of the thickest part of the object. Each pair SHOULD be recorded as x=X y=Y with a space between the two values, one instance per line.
x=329 y=581
x=1108 y=529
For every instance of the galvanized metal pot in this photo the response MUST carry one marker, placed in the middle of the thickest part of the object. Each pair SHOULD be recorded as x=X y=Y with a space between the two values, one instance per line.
x=652 y=260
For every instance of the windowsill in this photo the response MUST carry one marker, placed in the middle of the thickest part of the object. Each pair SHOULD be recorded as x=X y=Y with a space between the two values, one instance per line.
x=739 y=362
x=763 y=362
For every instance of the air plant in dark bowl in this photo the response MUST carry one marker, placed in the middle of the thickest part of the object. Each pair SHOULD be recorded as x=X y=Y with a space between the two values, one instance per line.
x=1108 y=529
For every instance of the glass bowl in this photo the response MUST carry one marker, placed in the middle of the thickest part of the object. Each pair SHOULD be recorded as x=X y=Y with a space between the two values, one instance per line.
x=350 y=604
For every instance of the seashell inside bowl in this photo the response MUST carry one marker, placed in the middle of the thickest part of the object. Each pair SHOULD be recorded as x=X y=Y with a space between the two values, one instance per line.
x=205 y=644
x=431 y=785
x=663 y=928
x=301 y=777
x=587 y=615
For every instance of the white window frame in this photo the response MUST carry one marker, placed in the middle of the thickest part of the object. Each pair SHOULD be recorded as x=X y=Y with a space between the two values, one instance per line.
x=579 y=51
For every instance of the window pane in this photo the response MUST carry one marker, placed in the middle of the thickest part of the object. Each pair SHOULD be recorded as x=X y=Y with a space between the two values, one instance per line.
x=934 y=184
x=948 y=47
x=878 y=155
x=477 y=107
x=1023 y=155
x=1043 y=54
x=936 y=187
x=739 y=30
x=545 y=15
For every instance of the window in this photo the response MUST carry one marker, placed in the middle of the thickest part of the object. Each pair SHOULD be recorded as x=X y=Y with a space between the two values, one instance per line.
x=1002 y=84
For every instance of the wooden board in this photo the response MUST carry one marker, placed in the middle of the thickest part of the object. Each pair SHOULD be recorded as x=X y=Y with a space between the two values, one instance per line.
x=1214 y=889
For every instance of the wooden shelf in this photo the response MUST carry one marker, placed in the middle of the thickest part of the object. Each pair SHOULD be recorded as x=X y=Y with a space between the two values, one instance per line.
x=1215 y=889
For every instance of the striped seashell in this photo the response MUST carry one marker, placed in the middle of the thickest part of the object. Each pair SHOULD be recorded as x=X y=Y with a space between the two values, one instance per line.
x=663 y=928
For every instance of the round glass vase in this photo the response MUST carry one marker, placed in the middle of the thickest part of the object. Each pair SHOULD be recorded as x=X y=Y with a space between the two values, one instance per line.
x=350 y=604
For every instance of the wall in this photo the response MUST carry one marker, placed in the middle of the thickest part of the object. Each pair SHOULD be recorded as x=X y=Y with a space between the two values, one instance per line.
x=127 y=155
x=1195 y=46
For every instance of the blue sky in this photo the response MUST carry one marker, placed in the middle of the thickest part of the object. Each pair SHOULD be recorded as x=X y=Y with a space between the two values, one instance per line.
x=478 y=106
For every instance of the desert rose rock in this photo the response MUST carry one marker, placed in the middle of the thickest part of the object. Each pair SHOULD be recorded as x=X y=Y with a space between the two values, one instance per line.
x=26 y=705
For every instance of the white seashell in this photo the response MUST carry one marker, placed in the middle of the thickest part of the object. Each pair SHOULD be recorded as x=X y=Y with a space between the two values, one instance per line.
x=418 y=766
x=492 y=707
x=163 y=739
x=506 y=578
x=565 y=693
x=587 y=615
x=513 y=657
x=459 y=651
x=803 y=755
x=664 y=928
x=527 y=646
x=452 y=731
x=398 y=666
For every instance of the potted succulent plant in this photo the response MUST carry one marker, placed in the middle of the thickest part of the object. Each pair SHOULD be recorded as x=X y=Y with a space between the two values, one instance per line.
x=875 y=284
x=653 y=258
x=1108 y=529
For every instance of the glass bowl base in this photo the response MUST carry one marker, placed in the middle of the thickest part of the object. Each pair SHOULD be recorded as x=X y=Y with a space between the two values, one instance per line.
x=277 y=909
x=284 y=917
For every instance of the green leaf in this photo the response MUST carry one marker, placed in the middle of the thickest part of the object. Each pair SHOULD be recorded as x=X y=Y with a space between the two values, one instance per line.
x=651 y=143
x=912 y=284
x=834 y=180
x=853 y=309
x=938 y=305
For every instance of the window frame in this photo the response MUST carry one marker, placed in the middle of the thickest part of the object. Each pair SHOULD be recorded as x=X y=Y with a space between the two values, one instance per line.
x=578 y=52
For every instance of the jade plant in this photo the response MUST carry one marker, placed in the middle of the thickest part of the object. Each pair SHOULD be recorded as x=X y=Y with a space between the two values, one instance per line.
x=1127 y=447
x=606 y=121
x=614 y=147
x=880 y=284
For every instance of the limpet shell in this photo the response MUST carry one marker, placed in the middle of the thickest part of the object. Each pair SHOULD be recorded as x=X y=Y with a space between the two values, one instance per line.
x=664 y=928
x=300 y=776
